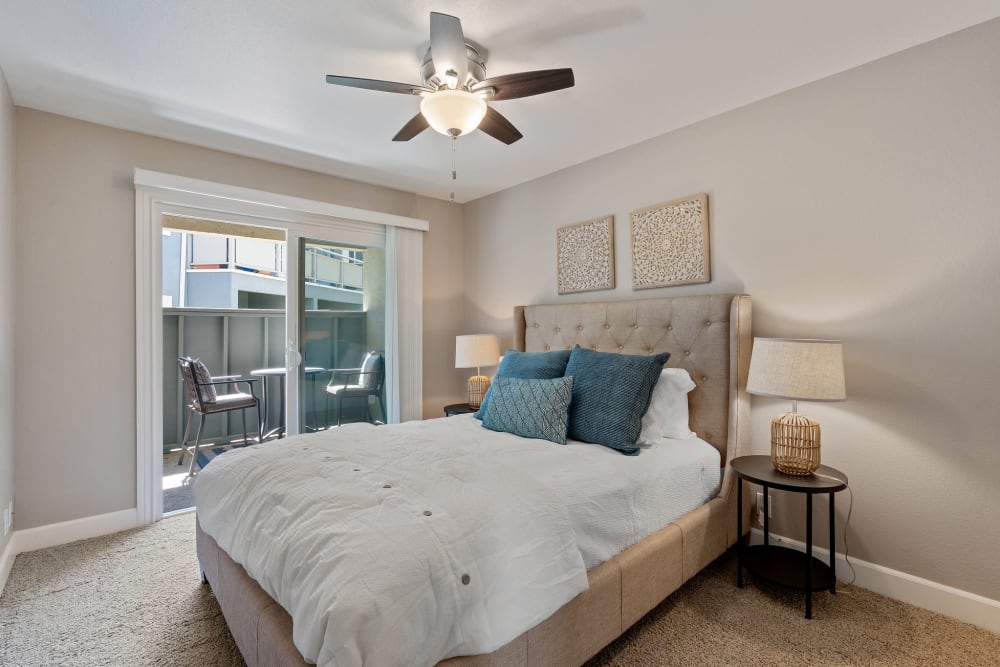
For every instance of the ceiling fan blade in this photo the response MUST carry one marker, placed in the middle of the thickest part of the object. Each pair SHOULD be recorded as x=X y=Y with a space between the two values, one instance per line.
x=526 y=84
x=448 y=50
x=376 y=84
x=498 y=127
x=415 y=126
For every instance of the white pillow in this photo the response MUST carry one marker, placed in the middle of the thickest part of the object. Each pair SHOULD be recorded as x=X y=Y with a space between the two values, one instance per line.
x=667 y=415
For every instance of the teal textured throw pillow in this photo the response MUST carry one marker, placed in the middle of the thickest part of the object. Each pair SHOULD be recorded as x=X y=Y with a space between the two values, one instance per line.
x=530 y=408
x=610 y=394
x=528 y=365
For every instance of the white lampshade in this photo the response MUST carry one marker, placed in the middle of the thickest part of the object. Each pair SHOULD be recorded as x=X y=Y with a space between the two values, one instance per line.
x=453 y=112
x=476 y=350
x=797 y=369
x=800 y=370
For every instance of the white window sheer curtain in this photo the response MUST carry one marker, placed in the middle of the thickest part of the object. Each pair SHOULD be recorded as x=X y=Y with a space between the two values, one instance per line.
x=404 y=326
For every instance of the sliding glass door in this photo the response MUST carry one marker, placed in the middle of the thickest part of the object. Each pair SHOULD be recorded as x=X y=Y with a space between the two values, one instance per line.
x=336 y=315
x=295 y=307
x=342 y=342
x=223 y=303
x=270 y=246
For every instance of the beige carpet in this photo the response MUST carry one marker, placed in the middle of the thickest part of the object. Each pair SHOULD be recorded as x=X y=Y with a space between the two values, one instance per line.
x=710 y=622
x=135 y=599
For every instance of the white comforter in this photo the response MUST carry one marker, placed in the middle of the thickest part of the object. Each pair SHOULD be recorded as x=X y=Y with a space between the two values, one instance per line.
x=396 y=545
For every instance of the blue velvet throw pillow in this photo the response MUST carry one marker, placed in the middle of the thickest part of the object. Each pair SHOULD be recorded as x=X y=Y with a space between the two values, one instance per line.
x=528 y=366
x=530 y=408
x=611 y=392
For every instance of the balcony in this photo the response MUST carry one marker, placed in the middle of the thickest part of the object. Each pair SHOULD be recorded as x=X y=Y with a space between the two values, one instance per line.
x=234 y=342
x=224 y=289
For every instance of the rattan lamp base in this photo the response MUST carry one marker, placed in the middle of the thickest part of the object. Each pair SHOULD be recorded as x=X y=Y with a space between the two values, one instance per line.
x=795 y=444
x=478 y=384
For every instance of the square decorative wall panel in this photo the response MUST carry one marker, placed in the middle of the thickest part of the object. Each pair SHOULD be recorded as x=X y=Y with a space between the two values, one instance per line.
x=670 y=244
x=585 y=256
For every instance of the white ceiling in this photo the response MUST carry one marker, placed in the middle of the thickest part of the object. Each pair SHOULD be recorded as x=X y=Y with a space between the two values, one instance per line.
x=247 y=76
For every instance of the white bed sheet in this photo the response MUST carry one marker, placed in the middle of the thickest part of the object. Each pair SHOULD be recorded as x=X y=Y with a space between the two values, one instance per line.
x=614 y=501
x=330 y=525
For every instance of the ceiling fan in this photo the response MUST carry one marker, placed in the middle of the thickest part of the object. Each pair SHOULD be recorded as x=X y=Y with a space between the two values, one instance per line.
x=455 y=88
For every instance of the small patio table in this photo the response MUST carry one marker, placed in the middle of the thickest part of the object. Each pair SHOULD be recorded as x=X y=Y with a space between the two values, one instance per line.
x=265 y=373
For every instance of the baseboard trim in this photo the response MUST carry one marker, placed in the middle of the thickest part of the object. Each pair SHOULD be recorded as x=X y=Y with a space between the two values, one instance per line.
x=54 y=534
x=7 y=561
x=946 y=600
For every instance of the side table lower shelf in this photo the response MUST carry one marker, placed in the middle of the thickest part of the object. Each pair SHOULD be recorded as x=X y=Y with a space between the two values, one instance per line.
x=786 y=567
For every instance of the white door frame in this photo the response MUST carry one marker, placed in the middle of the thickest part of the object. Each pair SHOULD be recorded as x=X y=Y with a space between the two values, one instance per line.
x=156 y=192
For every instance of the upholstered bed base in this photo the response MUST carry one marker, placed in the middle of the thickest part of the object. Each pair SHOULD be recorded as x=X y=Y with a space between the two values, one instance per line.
x=622 y=589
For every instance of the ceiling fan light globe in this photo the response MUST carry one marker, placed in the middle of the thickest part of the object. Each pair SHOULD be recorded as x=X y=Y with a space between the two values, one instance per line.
x=453 y=112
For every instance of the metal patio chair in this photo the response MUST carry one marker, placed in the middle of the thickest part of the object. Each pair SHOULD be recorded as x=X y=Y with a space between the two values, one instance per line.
x=358 y=383
x=204 y=400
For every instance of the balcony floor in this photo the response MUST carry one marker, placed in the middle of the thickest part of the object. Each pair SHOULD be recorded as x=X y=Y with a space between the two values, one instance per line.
x=177 y=495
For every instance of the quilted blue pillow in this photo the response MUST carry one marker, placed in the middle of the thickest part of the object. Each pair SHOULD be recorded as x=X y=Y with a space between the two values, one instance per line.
x=610 y=394
x=530 y=408
x=529 y=366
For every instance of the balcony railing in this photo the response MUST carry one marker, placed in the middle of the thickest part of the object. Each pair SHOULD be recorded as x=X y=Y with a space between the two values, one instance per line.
x=234 y=342
x=324 y=268
x=332 y=267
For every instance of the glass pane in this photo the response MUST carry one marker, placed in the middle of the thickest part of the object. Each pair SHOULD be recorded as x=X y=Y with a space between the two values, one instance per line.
x=343 y=320
x=223 y=303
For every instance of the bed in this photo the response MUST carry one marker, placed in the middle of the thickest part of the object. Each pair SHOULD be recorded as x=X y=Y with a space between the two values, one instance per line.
x=709 y=336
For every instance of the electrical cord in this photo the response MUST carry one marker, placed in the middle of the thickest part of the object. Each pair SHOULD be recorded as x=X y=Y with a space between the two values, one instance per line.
x=847 y=523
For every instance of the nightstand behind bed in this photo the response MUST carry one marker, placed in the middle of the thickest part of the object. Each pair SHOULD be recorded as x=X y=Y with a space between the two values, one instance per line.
x=458 y=409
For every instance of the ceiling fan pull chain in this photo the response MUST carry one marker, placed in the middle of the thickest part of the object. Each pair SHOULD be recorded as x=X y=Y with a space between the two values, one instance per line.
x=454 y=171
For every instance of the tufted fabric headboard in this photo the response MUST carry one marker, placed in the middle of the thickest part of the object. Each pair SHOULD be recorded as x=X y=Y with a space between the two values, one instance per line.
x=709 y=336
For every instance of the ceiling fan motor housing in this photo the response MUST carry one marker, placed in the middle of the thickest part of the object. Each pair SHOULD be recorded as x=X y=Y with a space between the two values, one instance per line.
x=476 y=64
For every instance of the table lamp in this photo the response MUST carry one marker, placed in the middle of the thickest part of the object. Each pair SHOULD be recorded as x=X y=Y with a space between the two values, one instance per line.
x=476 y=351
x=800 y=370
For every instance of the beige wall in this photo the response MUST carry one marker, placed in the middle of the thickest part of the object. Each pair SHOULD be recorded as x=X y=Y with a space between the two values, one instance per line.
x=6 y=300
x=75 y=296
x=864 y=207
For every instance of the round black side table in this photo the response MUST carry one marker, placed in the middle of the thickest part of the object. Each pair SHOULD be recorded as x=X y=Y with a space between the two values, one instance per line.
x=781 y=565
